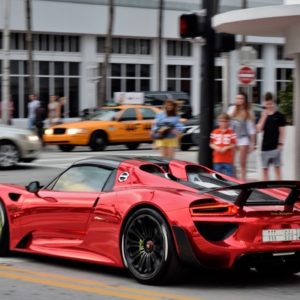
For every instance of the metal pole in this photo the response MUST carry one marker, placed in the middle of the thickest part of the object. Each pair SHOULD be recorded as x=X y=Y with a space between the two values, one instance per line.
x=226 y=81
x=207 y=86
x=5 y=67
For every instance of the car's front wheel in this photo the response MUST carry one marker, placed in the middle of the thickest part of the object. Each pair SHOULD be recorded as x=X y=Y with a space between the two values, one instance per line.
x=98 y=141
x=147 y=248
x=4 y=232
x=9 y=154
x=132 y=146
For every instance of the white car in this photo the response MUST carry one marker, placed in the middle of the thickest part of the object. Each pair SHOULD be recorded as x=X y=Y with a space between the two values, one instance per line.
x=17 y=145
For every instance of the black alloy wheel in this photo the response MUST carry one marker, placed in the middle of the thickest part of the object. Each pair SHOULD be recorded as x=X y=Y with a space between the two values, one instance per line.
x=147 y=248
x=132 y=146
x=4 y=232
x=66 y=148
x=9 y=154
x=98 y=141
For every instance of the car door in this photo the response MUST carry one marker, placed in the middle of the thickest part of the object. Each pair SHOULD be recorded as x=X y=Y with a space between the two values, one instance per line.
x=58 y=215
x=148 y=116
x=129 y=126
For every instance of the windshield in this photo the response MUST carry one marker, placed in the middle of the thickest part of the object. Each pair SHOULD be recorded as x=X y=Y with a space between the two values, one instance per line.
x=104 y=114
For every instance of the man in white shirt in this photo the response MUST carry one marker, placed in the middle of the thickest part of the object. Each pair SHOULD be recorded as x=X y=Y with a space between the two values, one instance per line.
x=33 y=104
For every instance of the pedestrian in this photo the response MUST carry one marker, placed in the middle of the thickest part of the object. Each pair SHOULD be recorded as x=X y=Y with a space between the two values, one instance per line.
x=166 y=129
x=11 y=109
x=242 y=122
x=33 y=104
x=53 y=110
x=223 y=143
x=62 y=103
x=272 y=124
x=41 y=115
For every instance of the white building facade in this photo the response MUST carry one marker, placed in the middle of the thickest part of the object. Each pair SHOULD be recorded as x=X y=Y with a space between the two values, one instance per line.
x=69 y=49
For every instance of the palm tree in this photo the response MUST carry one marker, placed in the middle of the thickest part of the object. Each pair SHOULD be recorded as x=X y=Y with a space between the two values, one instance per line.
x=160 y=33
x=5 y=64
x=29 y=46
x=107 y=50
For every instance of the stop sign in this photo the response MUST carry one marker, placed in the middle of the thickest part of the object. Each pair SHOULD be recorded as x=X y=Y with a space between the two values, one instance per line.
x=246 y=75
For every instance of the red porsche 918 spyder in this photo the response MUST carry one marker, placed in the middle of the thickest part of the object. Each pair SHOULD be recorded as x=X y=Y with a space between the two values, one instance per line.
x=152 y=215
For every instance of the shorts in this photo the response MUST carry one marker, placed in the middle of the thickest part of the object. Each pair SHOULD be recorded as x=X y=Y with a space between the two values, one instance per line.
x=168 y=143
x=225 y=168
x=243 y=141
x=271 y=157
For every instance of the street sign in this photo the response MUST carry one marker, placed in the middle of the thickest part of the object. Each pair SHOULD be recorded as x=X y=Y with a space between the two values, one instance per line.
x=246 y=75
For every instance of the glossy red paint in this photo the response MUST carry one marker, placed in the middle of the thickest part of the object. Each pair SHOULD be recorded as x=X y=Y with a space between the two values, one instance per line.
x=88 y=226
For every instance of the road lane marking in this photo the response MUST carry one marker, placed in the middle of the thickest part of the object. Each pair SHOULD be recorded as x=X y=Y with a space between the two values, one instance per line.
x=69 y=286
x=99 y=283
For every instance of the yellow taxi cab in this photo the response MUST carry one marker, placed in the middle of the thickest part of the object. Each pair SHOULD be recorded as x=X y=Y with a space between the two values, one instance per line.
x=123 y=124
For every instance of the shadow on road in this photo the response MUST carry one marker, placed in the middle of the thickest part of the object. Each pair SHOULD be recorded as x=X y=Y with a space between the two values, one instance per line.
x=192 y=279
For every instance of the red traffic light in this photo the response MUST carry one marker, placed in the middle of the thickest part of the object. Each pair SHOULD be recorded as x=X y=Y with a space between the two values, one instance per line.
x=191 y=25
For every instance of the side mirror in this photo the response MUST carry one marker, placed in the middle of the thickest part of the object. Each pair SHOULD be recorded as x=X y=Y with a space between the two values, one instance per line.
x=33 y=187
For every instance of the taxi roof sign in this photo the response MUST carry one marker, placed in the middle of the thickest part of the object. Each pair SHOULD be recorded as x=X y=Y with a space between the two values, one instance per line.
x=129 y=97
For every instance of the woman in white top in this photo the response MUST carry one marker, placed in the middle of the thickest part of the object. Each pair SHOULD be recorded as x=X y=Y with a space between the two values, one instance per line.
x=243 y=125
x=53 y=110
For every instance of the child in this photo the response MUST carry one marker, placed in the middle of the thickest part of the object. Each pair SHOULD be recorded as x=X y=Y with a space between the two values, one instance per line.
x=223 y=142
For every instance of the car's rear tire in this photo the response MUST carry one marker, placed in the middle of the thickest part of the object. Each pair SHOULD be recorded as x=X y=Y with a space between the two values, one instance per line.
x=66 y=148
x=98 y=141
x=132 y=146
x=9 y=154
x=4 y=231
x=148 y=250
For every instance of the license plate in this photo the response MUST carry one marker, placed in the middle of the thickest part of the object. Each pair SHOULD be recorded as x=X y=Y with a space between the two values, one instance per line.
x=281 y=235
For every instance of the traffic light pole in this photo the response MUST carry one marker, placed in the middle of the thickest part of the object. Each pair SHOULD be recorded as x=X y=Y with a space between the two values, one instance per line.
x=207 y=86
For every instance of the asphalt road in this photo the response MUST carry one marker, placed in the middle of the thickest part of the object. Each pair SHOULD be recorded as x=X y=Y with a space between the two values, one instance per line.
x=25 y=277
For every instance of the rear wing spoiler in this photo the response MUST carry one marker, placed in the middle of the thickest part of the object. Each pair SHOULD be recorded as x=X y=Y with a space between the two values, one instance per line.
x=248 y=188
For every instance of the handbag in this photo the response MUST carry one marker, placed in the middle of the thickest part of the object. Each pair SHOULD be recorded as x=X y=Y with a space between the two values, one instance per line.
x=161 y=132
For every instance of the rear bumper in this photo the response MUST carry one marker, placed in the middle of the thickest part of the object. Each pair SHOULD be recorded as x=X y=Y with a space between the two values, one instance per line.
x=206 y=255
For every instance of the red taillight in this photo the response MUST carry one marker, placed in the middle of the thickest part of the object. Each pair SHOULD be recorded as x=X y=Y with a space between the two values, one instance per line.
x=209 y=207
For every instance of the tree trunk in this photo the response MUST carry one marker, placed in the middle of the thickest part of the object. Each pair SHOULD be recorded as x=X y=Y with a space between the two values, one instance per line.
x=160 y=32
x=29 y=46
x=5 y=65
x=108 y=42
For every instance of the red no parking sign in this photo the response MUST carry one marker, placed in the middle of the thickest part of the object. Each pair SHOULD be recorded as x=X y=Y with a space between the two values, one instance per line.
x=246 y=75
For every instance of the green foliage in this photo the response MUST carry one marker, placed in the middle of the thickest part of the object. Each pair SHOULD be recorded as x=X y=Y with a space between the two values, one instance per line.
x=286 y=102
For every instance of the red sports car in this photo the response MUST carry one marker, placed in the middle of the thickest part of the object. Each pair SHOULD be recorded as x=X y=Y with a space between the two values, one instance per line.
x=151 y=216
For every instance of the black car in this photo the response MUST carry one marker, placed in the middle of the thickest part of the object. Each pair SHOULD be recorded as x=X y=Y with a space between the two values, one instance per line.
x=157 y=98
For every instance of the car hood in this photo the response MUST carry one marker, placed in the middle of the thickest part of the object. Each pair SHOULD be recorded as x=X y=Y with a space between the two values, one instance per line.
x=84 y=124
x=9 y=130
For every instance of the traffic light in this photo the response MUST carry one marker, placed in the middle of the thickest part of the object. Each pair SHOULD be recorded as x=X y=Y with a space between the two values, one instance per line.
x=191 y=25
x=225 y=42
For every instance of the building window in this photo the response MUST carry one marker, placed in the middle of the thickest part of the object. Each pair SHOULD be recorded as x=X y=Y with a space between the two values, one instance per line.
x=280 y=53
x=126 y=46
x=179 y=78
x=179 y=48
x=283 y=77
x=128 y=78
x=59 y=78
